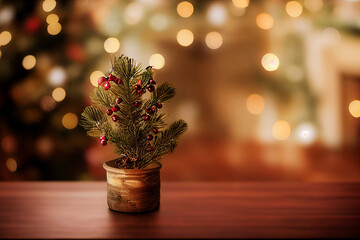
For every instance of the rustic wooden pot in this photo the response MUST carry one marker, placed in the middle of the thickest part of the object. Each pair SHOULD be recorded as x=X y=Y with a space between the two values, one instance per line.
x=132 y=190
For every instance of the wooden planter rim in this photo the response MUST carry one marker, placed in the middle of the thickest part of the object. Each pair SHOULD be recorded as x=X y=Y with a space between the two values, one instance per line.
x=111 y=167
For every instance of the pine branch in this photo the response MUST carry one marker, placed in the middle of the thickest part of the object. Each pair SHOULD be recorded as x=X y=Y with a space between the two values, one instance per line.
x=125 y=68
x=94 y=121
x=101 y=97
x=164 y=92
x=167 y=142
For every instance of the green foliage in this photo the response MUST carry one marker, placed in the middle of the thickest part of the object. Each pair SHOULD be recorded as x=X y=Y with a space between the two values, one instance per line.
x=129 y=133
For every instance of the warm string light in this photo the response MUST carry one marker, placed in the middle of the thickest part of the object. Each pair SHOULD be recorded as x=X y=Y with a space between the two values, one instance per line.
x=94 y=77
x=217 y=14
x=70 y=121
x=294 y=9
x=54 y=28
x=255 y=104
x=157 y=61
x=264 y=21
x=29 y=62
x=354 y=108
x=5 y=38
x=213 y=40
x=111 y=45
x=270 y=62
x=185 y=9
x=185 y=37
x=281 y=130
x=57 y=76
x=241 y=3
x=52 y=18
x=49 y=5
x=59 y=94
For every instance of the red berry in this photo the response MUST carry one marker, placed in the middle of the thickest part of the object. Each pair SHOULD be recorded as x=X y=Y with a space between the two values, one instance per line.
x=115 y=108
x=138 y=87
x=115 y=118
x=149 y=137
x=150 y=88
x=153 y=109
x=151 y=81
x=103 y=138
x=147 y=117
x=149 y=110
x=103 y=142
x=106 y=85
x=119 y=81
x=139 y=81
x=112 y=78
x=158 y=105
x=149 y=149
x=109 y=112
x=119 y=100
x=101 y=80
x=155 y=130
x=136 y=104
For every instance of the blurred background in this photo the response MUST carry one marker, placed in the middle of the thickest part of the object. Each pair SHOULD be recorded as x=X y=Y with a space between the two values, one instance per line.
x=270 y=89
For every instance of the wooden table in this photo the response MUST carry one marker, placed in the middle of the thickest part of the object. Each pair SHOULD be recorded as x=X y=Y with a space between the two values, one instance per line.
x=188 y=210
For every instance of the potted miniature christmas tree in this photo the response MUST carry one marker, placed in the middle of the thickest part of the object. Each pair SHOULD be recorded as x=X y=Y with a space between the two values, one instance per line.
x=121 y=115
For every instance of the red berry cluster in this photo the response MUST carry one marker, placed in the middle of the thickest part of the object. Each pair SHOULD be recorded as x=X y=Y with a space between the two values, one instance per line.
x=103 y=140
x=150 y=86
x=116 y=108
x=105 y=81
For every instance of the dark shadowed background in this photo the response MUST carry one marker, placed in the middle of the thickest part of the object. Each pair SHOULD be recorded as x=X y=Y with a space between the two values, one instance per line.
x=270 y=89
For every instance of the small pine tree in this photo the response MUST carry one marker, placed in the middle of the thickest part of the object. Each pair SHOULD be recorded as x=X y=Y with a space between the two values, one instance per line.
x=120 y=114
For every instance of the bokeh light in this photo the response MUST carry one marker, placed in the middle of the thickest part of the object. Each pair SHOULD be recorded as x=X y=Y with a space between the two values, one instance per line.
x=5 y=38
x=54 y=28
x=217 y=14
x=241 y=3
x=213 y=40
x=49 y=5
x=185 y=37
x=59 y=94
x=7 y=14
x=306 y=133
x=111 y=45
x=354 y=108
x=57 y=76
x=270 y=62
x=133 y=13
x=294 y=9
x=52 y=18
x=11 y=164
x=157 y=61
x=94 y=77
x=264 y=21
x=185 y=9
x=70 y=121
x=29 y=62
x=255 y=104
x=281 y=130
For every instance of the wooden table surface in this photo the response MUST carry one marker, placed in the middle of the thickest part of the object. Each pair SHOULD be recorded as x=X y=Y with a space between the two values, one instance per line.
x=187 y=210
